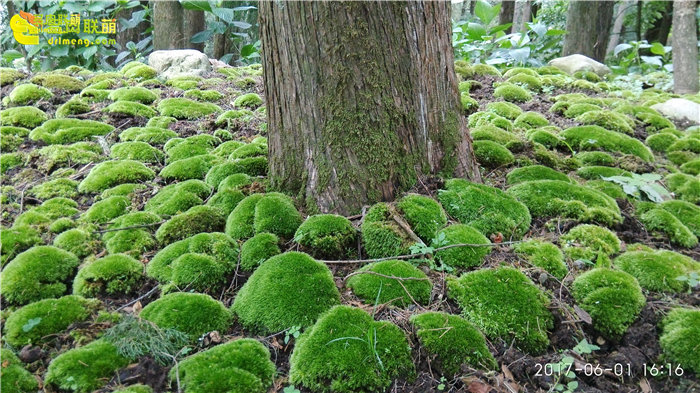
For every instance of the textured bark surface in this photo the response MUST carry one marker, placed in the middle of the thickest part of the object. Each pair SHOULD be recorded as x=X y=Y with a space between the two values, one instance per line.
x=192 y=23
x=362 y=99
x=588 y=28
x=623 y=8
x=167 y=25
x=506 y=14
x=522 y=14
x=685 y=48
x=133 y=34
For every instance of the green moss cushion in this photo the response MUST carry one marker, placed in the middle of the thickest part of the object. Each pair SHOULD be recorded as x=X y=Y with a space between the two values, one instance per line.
x=381 y=234
x=462 y=256
x=62 y=131
x=663 y=221
x=589 y=242
x=264 y=303
x=238 y=366
x=503 y=303
x=33 y=323
x=326 y=235
x=544 y=255
x=133 y=241
x=178 y=198
x=452 y=341
x=534 y=172
x=111 y=275
x=38 y=273
x=191 y=313
x=196 y=219
x=111 y=173
x=598 y=138
x=346 y=351
x=658 y=270
x=551 y=198
x=487 y=209
x=612 y=298
x=258 y=249
x=380 y=288
x=15 y=378
x=272 y=212
x=85 y=369
x=680 y=337
x=423 y=214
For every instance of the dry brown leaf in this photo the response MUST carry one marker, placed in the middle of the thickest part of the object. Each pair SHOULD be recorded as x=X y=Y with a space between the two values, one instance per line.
x=583 y=315
x=644 y=384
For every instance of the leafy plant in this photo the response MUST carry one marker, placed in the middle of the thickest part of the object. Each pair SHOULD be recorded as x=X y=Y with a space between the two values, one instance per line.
x=692 y=278
x=135 y=337
x=423 y=249
x=290 y=389
x=30 y=324
x=441 y=386
x=563 y=371
x=629 y=58
x=646 y=185
x=370 y=339
x=293 y=331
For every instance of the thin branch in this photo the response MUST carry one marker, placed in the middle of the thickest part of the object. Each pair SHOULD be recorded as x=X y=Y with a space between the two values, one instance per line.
x=129 y=227
x=411 y=256
x=145 y=295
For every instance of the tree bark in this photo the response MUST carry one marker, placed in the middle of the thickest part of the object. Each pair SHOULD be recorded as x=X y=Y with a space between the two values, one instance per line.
x=167 y=25
x=618 y=24
x=192 y=23
x=588 y=28
x=506 y=15
x=662 y=27
x=521 y=15
x=133 y=34
x=685 y=48
x=362 y=100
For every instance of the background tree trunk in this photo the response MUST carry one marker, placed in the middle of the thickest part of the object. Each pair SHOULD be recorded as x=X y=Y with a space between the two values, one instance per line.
x=618 y=24
x=167 y=25
x=362 y=99
x=192 y=23
x=588 y=28
x=521 y=15
x=685 y=48
x=133 y=34
x=662 y=26
x=506 y=15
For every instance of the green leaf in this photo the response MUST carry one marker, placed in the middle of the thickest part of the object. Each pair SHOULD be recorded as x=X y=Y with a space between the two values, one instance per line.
x=58 y=51
x=620 y=48
x=475 y=31
x=485 y=11
x=553 y=32
x=225 y=14
x=657 y=48
x=572 y=385
x=31 y=324
x=90 y=51
x=248 y=50
x=202 y=36
x=196 y=5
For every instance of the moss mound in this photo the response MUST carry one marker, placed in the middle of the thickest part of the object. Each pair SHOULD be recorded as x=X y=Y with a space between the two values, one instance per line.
x=347 y=351
x=487 y=209
x=680 y=337
x=191 y=313
x=76 y=241
x=381 y=234
x=62 y=131
x=137 y=151
x=249 y=100
x=551 y=198
x=423 y=214
x=326 y=235
x=663 y=221
x=184 y=108
x=372 y=283
x=658 y=270
x=133 y=93
x=506 y=109
x=504 y=303
x=598 y=138
x=264 y=302
x=15 y=240
x=132 y=241
x=138 y=388
x=61 y=155
x=60 y=187
x=685 y=186
x=609 y=120
x=544 y=255
x=85 y=369
x=492 y=155
x=35 y=322
x=111 y=173
x=660 y=142
x=189 y=168
x=258 y=249
x=238 y=366
x=512 y=93
x=38 y=273
x=180 y=148
x=452 y=341
x=111 y=275
x=201 y=262
x=107 y=209
x=15 y=378
x=534 y=172
x=612 y=298
x=60 y=82
x=22 y=116
x=590 y=242
x=179 y=197
x=462 y=256
x=686 y=213
x=257 y=213
x=196 y=220
x=151 y=135
x=28 y=93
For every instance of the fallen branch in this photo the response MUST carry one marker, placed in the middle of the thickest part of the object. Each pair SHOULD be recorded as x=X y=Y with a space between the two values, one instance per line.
x=411 y=256
x=129 y=227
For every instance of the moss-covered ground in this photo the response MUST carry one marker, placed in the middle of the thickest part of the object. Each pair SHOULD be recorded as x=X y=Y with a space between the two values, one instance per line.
x=159 y=206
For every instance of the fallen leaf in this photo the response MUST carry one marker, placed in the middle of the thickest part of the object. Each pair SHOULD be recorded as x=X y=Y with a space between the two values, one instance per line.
x=583 y=315
x=137 y=307
x=644 y=384
x=476 y=386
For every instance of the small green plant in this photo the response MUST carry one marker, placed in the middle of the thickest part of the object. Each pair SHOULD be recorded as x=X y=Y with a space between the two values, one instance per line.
x=370 y=339
x=293 y=331
x=441 y=386
x=291 y=389
x=692 y=278
x=135 y=337
x=563 y=371
x=423 y=249
x=629 y=60
x=644 y=185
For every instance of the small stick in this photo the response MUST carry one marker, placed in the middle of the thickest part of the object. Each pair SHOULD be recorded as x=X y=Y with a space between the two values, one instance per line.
x=130 y=227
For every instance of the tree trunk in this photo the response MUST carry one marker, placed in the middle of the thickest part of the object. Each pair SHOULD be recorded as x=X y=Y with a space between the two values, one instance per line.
x=167 y=29
x=618 y=24
x=685 y=48
x=521 y=15
x=192 y=23
x=588 y=28
x=133 y=34
x=362 y=100
x=506 y=15
x=662 y=26
x=640 y=5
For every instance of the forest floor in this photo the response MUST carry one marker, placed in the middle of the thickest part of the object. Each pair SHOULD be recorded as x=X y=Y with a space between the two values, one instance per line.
x=634 y=352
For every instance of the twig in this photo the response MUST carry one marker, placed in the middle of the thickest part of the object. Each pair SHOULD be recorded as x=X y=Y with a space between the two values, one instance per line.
x=145 y=295
x=410 y=256
x=403 y=224
x=386 y=276
x=129 y=227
